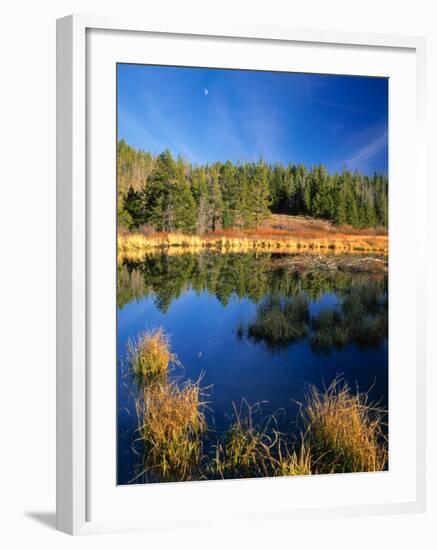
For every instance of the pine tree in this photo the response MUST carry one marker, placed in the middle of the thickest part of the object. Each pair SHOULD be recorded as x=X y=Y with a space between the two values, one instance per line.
x=245 y=216
x=133 y=211
x=158 y=209
x=229 y=187
x=176 y=196
x=340 y=216
x=215 y=203
x=200 y=194
x=259 y=193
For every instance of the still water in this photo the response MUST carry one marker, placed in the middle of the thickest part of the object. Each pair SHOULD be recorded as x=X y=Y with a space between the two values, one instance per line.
x=260 y=328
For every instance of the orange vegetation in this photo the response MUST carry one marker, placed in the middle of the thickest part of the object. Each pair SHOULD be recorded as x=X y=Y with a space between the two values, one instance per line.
x=280 y=233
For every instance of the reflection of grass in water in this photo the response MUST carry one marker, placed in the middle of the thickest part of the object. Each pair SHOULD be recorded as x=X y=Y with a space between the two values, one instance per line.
x=329 y=330
x=327 y=339
x=361 y=318
x=344 y=431
x=280 y=322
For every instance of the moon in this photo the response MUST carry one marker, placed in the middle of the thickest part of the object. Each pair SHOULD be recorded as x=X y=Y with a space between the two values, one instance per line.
x=206 y=91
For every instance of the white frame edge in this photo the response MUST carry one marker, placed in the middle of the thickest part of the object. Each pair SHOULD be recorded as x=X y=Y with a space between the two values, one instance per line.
x=71 y=265
x=71 y=277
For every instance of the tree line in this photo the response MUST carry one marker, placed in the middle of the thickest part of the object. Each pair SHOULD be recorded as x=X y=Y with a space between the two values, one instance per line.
x=171 y=194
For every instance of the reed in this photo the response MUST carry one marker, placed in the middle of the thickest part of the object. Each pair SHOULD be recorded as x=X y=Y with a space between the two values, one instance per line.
x=173 y=423
x=253 y=447
x=340 y=430
x=344 y=431
x=245 y=449
x=149 y=354
x=293 y=462
x=133 y=244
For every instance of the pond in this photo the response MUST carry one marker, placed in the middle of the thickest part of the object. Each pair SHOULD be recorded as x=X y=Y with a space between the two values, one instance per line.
x=259 y=328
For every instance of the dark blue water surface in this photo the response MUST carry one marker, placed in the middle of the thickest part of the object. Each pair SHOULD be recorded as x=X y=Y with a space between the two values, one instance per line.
x=205 y=306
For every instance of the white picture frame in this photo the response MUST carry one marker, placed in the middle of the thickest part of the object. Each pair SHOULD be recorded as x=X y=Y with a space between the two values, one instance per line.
x=73 y=265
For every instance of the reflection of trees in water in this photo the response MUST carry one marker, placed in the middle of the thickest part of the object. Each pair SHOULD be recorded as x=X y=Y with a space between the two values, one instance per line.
x=360 y=318
x=245 y=275
x=167 y=277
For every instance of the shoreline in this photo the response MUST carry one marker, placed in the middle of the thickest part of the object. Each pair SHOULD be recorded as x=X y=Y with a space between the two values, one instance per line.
x=138 y=243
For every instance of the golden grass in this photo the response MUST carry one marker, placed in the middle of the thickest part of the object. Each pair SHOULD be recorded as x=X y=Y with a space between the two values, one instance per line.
x=344 y=431
x=173 y=423
x=246 y=448
x=281 y=233
x=149 y=354
x=341 y=431
x=296 y=462
x=136 y=245
x=252 y=447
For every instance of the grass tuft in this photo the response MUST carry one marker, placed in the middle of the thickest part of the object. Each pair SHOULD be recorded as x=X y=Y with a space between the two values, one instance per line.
x=149 y=354
x=245 y=450
x=173 y=423
x=344 y=431
x=295 y=462
x=340 y=431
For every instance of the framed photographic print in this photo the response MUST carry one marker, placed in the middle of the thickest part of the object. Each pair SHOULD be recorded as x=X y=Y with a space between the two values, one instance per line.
x=240 y=331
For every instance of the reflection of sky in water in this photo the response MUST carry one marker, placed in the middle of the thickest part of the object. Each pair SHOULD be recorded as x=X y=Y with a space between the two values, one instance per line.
x=203 y=335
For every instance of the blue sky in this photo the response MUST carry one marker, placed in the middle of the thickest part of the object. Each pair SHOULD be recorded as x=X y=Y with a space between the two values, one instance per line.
x=209 y=115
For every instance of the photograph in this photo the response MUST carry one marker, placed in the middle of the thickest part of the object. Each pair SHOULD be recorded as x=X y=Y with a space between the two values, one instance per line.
x=252 y=274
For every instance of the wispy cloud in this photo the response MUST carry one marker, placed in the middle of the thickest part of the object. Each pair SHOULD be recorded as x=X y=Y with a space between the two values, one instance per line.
x=209 y=115
x=370 y=149
x=159 y=131
x=259 y=120
x=346 y=108
x=224 y=124
x=143 y=137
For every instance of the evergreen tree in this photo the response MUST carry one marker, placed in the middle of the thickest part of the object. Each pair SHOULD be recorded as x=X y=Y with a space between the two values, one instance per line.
x=133 y=211
x=158 y=209
x=259 y=193
x=229 y=187
x=200 y=194
x=215 y=202
x=340 y=216
x=176 y=196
